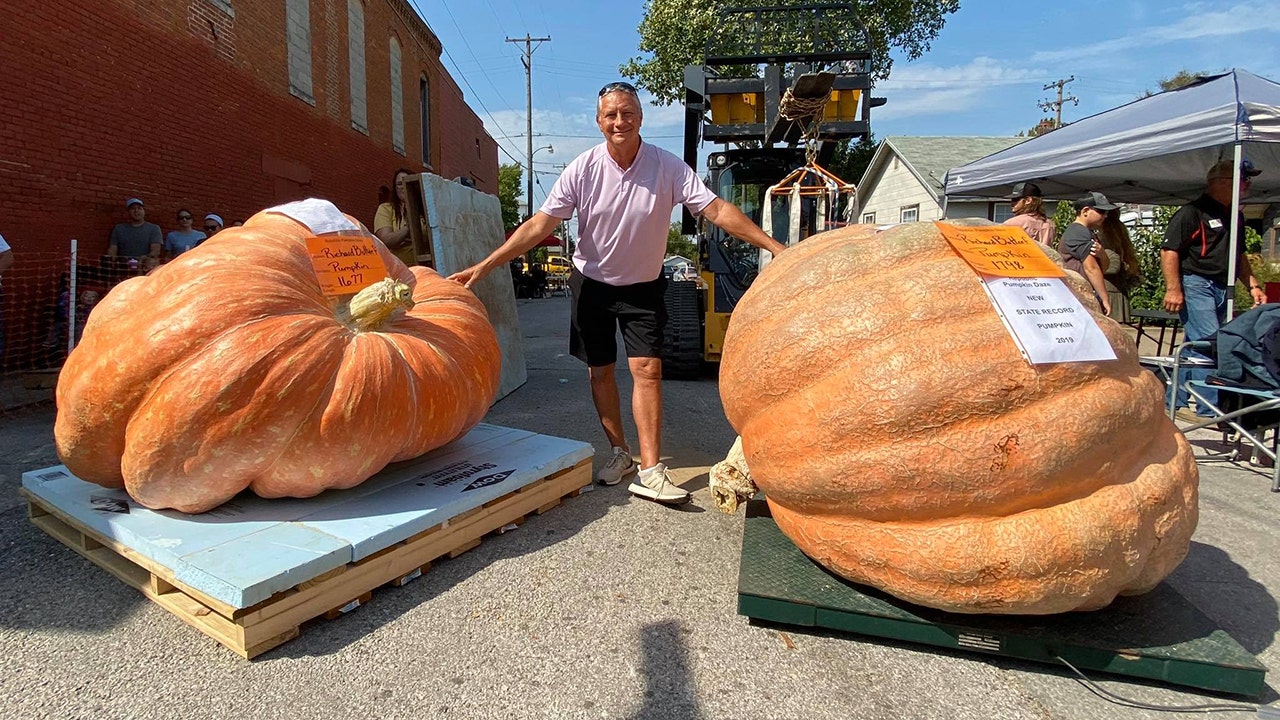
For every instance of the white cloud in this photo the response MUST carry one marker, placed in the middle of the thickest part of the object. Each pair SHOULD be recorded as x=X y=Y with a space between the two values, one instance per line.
x=1198 y=22
x=920 y=89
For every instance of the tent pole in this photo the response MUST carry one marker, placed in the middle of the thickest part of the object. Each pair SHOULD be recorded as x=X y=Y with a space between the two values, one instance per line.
x=1234 y=238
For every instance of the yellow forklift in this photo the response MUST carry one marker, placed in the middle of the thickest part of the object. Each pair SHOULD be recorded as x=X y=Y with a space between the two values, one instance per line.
x=780 y=86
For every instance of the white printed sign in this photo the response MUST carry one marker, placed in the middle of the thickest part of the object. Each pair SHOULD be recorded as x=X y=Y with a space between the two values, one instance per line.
x=1047 y=321
x=321 y=216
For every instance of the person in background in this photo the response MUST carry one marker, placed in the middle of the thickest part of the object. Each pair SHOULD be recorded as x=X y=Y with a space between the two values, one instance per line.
x=1028 y=213
x=1194 y=258
x=391 y=223
x=6 y=262
x=212 y=224
x=1124 y=272
x=184 y=238
x=623 y=191
x=137 y=238
x=1080 y=248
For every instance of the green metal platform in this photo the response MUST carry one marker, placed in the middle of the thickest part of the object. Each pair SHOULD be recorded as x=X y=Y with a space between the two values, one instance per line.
x=1158 y=636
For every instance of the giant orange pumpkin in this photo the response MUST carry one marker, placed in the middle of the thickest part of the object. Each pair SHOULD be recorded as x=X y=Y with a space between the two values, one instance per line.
x=228 y=369
x=903 y=442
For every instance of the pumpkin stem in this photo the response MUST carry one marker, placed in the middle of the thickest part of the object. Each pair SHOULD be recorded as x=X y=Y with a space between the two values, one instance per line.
x=371 y=307
x=731 y=482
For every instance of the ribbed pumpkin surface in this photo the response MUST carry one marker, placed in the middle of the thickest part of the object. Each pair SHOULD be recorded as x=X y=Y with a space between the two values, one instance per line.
x=228 y=369
x=903 y=442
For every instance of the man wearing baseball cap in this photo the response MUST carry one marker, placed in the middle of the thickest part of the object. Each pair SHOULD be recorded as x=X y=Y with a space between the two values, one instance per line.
x=1028 y=213
x=136 y=238
x=1080 y=248
x=1194 y=258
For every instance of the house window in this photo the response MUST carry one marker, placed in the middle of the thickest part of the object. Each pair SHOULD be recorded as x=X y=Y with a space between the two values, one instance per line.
x=355 y=62
x=397 y=99
x=909 y=213
x=869 y=218
x=298 y=37
x=1001 y=212
x=424 y=110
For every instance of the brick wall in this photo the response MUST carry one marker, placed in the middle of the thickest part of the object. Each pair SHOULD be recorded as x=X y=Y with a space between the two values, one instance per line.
x=184 y=104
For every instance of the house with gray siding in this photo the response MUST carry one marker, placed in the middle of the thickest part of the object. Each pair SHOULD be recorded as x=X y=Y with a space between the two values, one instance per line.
x=903 y=183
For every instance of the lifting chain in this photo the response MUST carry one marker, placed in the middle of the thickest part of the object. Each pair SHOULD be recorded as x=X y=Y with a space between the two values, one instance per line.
x=801 y=109
x=794 y=108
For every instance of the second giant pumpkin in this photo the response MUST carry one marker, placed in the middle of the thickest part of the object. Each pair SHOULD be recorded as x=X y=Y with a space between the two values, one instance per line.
x=903 y=442
x=228 y=369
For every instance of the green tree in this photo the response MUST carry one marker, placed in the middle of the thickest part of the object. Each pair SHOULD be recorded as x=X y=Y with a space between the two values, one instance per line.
x=1182 y=78
x=674 y=33
x=1146 y=245
x=851 y=158
x=509 y=177
x=681 y=245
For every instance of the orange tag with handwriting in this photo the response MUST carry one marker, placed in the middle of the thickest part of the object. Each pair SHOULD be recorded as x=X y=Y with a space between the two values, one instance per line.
x=1000 y=250
x=345 y=265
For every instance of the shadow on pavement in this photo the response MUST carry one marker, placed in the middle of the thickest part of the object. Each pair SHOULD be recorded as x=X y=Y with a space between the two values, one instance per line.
x=668 y=684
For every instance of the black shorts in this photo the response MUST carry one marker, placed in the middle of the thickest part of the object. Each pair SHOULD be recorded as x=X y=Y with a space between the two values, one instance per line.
x=598 y=309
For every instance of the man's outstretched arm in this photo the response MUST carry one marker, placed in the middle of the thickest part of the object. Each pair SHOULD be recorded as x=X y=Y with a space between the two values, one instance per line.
x=729 y=218
x=529 y=234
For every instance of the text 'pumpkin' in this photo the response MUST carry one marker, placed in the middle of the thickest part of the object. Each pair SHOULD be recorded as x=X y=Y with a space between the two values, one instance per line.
x=903 y=442
x=227 y=369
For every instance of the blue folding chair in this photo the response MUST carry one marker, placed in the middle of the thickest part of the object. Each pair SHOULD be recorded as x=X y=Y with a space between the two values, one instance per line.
x=1243 y=411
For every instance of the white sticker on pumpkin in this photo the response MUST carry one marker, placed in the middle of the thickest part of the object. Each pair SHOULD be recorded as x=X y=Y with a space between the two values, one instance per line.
x=321 y=216
x=1047 y=321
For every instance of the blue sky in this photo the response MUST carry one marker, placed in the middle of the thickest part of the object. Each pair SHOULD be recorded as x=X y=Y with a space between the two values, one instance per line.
x=984 y=75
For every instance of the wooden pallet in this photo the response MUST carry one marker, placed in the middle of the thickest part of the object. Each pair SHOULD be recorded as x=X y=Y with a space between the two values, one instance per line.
x=253 y=630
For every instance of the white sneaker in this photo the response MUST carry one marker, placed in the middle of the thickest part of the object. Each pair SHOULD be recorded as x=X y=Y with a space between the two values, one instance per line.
x=655 y=484
x=619 y=466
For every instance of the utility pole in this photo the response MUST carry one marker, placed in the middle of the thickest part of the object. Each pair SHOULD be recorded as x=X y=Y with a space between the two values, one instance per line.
x=526 y=56
x=1056 y=105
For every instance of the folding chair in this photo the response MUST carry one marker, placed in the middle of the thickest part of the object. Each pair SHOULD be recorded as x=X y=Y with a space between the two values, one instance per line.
x=1247 y=411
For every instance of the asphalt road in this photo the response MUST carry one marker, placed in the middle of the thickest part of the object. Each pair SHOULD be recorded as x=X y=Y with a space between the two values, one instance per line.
x=606 y=607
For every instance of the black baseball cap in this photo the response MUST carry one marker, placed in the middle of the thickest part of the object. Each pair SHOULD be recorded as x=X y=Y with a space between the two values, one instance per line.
x=1025 y=189
x=1095 y=200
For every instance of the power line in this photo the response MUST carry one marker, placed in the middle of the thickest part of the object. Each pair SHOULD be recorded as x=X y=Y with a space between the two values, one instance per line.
x=418 y=9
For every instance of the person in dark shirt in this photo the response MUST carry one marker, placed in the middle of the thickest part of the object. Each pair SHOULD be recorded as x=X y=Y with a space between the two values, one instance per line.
x=1080 y=248
x=1194 y=258
x=136 y=238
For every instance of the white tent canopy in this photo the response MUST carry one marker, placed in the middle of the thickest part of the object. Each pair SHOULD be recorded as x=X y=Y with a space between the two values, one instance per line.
x=1154 y=150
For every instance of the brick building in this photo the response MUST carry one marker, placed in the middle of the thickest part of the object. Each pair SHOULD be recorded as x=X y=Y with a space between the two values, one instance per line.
x=224 y=106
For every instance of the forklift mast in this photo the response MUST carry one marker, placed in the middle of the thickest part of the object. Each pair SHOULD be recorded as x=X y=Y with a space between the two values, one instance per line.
x=762 y=56
x=777 y=83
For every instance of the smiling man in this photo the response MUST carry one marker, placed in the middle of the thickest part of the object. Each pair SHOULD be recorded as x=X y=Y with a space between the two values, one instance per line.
x=623 y=191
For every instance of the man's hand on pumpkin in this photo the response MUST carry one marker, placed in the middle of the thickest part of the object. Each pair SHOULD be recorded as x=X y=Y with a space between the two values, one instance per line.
x=470 y=276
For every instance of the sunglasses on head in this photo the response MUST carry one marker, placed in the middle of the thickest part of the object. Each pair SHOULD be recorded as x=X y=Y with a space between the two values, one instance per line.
x=619 y=87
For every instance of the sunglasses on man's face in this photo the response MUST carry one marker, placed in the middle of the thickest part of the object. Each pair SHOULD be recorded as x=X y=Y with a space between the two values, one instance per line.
x=619 y=87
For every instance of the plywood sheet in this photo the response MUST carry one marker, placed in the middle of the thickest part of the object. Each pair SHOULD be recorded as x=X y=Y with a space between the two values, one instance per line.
x=244 y=551
x=466 y=225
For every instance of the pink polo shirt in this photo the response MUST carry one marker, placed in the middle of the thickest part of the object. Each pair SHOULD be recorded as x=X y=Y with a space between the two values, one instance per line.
x=623 y=217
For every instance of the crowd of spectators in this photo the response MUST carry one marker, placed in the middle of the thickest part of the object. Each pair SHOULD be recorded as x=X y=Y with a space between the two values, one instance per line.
x=141 y=243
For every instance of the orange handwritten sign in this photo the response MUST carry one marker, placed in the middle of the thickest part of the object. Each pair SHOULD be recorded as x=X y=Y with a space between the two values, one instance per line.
x=1000 y=250
x=345 y=265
